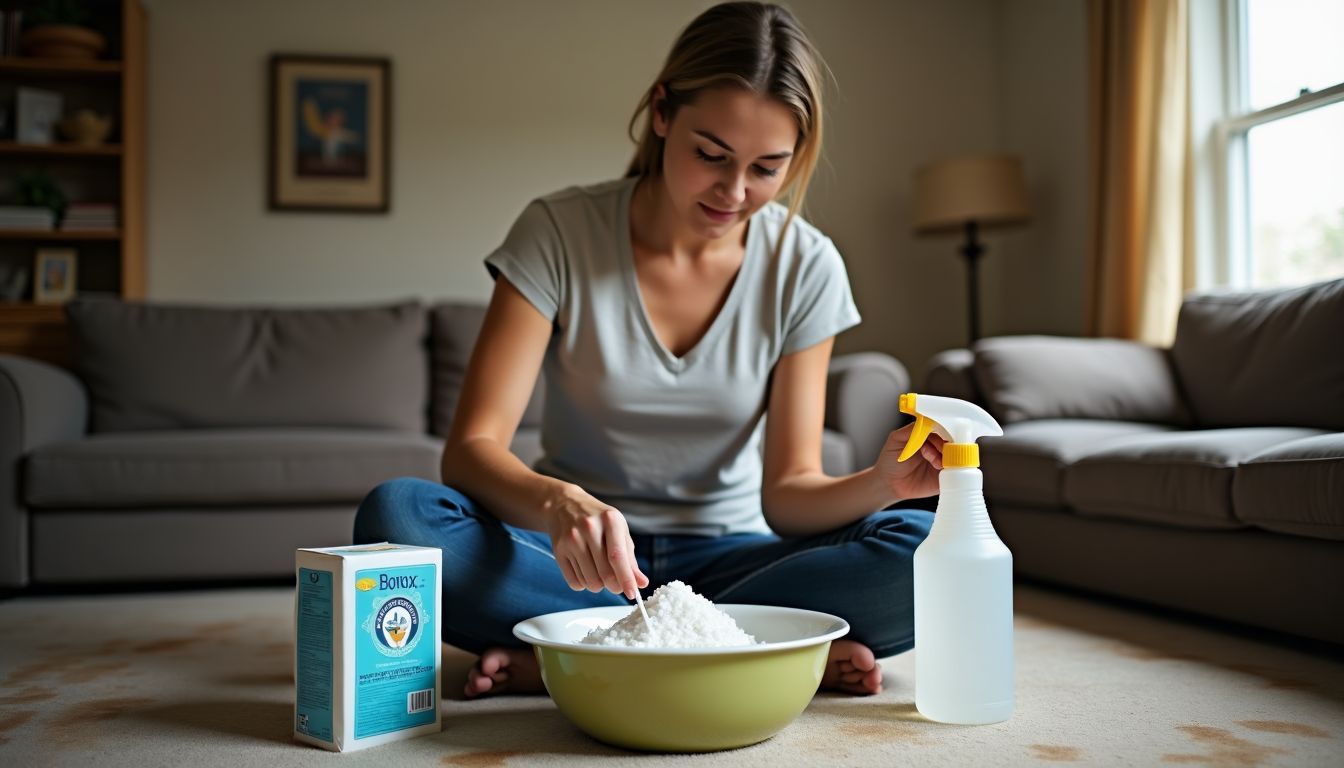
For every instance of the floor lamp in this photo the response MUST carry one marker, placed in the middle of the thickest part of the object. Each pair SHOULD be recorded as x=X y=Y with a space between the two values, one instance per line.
x=970 y=195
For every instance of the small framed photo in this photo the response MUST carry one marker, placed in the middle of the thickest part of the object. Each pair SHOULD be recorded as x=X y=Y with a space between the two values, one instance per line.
x=330 y=127
x=36 y=114
x=55 y=275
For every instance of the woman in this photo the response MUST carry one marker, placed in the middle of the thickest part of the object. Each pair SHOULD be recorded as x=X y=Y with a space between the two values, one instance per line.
x=671 y=310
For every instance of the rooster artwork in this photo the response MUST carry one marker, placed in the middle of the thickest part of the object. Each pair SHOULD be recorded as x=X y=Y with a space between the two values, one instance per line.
x=331 y=130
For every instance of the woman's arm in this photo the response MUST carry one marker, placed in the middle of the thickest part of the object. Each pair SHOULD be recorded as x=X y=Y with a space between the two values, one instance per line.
x=499 y=381
x=590 y=540
x=800 y=499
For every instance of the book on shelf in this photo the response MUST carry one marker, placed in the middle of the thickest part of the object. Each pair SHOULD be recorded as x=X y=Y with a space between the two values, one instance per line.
x=82 y=217
x=26 y=217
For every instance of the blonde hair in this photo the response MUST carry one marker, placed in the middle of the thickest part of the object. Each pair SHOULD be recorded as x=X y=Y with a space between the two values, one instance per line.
x=758 y=47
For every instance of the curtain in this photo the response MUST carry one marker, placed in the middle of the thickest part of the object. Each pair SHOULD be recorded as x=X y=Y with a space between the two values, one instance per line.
x=1141 y=244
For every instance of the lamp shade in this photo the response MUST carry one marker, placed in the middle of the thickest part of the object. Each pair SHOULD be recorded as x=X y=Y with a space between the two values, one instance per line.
x=987 y=189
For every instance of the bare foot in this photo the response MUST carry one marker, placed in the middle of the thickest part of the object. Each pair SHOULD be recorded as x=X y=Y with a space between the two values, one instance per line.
x=504 y=670
x=851 y=668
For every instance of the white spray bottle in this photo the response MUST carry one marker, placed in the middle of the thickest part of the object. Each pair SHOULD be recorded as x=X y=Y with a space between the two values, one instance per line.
x=963 y=577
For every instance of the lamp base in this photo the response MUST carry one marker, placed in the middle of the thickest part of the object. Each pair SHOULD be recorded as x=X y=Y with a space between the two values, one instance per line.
x=971 y=251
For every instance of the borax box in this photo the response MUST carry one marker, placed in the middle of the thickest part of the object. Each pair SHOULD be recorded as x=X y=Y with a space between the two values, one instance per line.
x=366 y=662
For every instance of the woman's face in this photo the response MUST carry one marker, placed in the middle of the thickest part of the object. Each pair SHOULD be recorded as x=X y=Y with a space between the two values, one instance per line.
x=725 y=156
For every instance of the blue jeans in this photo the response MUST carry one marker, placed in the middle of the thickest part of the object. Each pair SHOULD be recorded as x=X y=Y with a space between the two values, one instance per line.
x=496 y=575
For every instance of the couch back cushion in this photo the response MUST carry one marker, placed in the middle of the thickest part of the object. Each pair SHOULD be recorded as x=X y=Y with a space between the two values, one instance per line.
x=160 y=366
x=1269 y=358
x=454 y=327
x=1053 y=377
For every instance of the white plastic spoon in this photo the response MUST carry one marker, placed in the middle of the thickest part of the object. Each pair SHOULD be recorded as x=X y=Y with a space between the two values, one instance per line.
x=653 y=633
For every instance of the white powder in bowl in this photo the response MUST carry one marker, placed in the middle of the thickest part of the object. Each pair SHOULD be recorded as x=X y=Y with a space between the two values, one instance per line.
x=681 y=619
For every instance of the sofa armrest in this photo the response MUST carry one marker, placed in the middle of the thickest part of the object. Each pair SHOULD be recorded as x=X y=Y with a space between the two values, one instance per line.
x=1055 y=377
x=863 y=395
x=951 y=374
x=39 y=404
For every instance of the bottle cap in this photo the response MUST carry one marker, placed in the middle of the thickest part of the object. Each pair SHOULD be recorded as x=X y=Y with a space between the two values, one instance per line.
x=958 y=455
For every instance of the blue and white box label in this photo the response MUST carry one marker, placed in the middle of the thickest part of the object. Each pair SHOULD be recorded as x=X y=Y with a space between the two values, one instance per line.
x=367 y=644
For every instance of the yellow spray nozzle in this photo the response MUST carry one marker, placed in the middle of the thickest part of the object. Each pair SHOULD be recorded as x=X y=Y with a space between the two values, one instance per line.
x=921 y=431
x=907 y=403
x=958 y=422
x=917 y=437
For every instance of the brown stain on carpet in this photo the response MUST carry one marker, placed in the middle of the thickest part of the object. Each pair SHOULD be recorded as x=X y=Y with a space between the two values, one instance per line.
x=166 y=644
x=109 y=647
x=493 y=759
x=880 y=731
x=1144 y=653
x=1272 y=677
x=1056 y=753
x=1224 y=748
x=29 y=672
x=262 y=679
x=11 y=720
x=66 y=663
x=218 y=627
x=66 y=667
x=92 y=672
x=1281 y=726
x=71 y=726
x=30 y=695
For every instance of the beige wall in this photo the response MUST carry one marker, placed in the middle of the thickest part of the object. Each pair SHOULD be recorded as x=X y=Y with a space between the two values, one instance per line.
x=495 y=103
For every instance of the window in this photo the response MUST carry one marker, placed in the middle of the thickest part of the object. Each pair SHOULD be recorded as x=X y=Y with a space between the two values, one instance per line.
x=1282 y=146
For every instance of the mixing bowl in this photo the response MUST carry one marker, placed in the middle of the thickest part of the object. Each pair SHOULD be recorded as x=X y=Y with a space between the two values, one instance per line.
x=684 y=699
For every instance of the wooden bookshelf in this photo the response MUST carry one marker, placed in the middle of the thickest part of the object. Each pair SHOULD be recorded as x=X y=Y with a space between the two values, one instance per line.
x=111 y=262
x=28 y=67
x=61 y=149
x=49 y=235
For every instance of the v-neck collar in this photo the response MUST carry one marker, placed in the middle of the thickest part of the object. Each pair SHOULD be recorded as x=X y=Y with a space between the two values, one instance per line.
x=635 y=300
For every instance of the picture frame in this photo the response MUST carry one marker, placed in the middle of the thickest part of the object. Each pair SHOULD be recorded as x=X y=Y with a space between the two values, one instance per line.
x=330 y=129
x=55 y=275
x=36 y=113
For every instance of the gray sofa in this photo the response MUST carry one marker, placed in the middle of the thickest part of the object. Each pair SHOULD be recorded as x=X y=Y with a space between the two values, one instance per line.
x=200 y=443
x=1207 y=477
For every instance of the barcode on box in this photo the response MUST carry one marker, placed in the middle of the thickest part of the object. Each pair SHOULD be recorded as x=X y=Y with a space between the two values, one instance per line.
x=419 y=701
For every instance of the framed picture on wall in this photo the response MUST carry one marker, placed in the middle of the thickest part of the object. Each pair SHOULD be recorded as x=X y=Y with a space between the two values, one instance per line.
x=330 y=121
x=55 y=275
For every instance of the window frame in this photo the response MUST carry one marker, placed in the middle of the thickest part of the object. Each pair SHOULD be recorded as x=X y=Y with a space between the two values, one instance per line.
x=1231 y=209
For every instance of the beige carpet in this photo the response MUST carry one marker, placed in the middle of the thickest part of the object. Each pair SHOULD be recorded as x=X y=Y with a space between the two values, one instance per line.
x=203 y=678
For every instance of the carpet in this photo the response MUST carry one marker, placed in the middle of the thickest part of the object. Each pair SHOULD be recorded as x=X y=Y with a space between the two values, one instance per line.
x=203 y=678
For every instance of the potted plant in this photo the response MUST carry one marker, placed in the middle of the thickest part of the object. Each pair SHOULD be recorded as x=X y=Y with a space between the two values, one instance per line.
x=55 y=30
x=38 y=188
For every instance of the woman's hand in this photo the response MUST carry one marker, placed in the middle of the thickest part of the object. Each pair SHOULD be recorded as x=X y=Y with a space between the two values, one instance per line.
x=917 y=476
x=592 y=544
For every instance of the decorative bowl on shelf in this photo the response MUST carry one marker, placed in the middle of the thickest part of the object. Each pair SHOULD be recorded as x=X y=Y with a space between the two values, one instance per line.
x=62 y=41
x=86 y=127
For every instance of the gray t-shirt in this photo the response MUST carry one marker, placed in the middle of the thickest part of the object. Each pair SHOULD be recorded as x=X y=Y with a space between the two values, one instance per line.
x=674 y=443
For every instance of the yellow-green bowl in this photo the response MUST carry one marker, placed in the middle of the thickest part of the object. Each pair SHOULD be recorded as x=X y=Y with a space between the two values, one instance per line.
x=684 y=699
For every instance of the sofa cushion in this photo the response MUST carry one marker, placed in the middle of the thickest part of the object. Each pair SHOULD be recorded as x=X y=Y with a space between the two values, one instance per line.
x=159 y=366
x=221 y=467
x=1026 y=465
x=1054 y=377
x=1181 y=478
x=1295 y=487
x=453 y=330
x=951 y=373
x=1264 y=359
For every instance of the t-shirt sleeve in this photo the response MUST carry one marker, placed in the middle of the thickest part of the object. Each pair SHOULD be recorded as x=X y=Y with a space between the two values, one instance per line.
x=532 y=257
x=822 y=305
